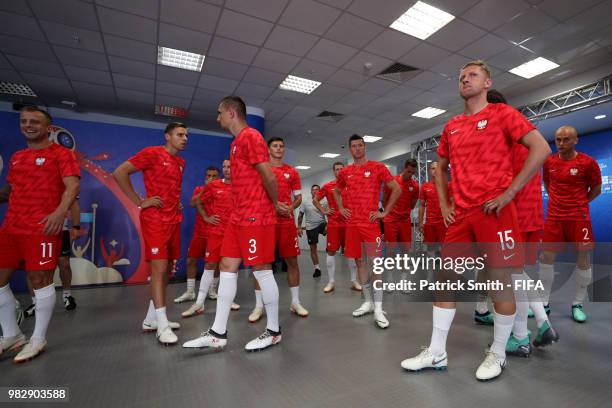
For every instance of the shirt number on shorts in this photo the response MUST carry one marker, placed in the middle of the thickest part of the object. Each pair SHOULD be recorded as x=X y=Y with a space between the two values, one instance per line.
x=506 y=241
x=44 y=246
x=252 y=246
x=586 y=233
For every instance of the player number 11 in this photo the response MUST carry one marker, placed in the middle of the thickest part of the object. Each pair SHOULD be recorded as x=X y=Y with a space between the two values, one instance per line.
x=44 y=246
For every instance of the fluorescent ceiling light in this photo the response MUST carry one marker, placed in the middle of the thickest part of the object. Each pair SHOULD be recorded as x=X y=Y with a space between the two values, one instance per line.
x=534 y=67
x=297 y=84
x=599 y=117
x=180 y=59
x=371 y=139
x=16 y=89
x=422 y=20
x=302 y=167
x=329 y=155
x=428 y=112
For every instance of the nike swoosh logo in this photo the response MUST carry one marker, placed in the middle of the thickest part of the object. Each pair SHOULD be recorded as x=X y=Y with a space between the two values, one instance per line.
x=250 y=258
x=434 y=362
x=453 y=132
x=45 y=262
x=508 y=257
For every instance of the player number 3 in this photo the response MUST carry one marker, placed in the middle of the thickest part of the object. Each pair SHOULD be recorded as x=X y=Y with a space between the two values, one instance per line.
x=253 y=246
x=506 y=241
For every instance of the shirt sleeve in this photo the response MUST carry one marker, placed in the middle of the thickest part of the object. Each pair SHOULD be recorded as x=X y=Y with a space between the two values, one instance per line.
x=385 y=174
x=545 y=172
x=143 y=159
x=322 y=192
x=10 y=179
x=341 y=182
x=68 y=164
x=595 y=174
x=296 y=183
x=514 y=123
x=443 y=146
x=257 y=151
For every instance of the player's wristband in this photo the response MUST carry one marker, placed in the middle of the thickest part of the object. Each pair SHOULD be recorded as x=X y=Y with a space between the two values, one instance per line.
x=76 y=227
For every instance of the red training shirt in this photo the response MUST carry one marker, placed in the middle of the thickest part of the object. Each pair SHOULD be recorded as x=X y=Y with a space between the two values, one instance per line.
x=327 y=192
x=401 y=209
x=289 y=185
x=429 y=197
x=528 y=201
x=217 y=200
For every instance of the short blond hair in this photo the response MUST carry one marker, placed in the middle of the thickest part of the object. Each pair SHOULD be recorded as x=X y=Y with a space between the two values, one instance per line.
x=479 y=63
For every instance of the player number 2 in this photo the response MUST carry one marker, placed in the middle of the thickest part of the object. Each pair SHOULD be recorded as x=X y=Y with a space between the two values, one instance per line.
x=44 y=246
x=253 y=246
x=586 y=233
x=506 y=241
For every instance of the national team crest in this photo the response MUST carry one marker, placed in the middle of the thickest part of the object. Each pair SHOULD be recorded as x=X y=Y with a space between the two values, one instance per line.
x=286 y=175
x=482 y=124
x=154 y=251
x=40 y=161
x=367 y=174
x=573 y=171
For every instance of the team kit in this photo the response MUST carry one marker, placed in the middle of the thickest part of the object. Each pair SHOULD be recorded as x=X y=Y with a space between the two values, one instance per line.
x=491 y=200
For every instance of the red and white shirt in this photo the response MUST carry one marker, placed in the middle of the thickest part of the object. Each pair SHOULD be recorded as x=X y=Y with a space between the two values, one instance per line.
x=327 y=192
x=429 y=197
x=36 y=180
x=163 y=177
x=403 y=205
x=362 y=184
x=251 y=204
x=568 y=184
x=528 y=201
x=289 y=185
x=217 y=200
x=199 y=227
x=479 y=149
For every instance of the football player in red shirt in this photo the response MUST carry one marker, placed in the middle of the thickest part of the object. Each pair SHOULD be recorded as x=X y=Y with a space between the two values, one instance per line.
x=336 y=231
x=249 y=236
x=431 y=224
x=398 y=225
x=477 y=144
x=357 y=193
x=289 y=185
x=572 y=180
x=160 y=218
x=43 y=182
x=197 y=246
x=214 y=207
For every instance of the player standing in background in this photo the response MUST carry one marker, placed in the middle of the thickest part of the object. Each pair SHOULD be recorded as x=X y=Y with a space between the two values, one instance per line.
x=42 y=183
x=431 y=223
x=160 y=218
x=572 y=180
x=357 y=193
x=315 y=226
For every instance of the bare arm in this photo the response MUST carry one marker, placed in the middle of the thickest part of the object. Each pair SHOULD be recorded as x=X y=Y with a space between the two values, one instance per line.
x=396 y=191
x=269 y=181
x=385 y=198
x=317 y=203
x=122 y=176
x=75 y=215
x=194 y=200
x=297 y=201
x=55 y=221
x=300 y=219
x=448 y=213
x=4 y=193
x=338 y=197
x=594 y=192
x=421 y=214
x=199 y=205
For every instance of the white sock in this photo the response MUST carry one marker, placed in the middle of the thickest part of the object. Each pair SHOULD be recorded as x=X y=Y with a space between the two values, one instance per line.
x=442 y=320
x=481 y=303
x=205 y=282
x=45 y=301
x=501 y=332
x=269 y=294
x=330 y=261
x=317 y=266
x=228 y=284
x=583 y=280
x=519 y=330
x=378 y=298
x=8 y=319
x=66 y=293
x=295 y=295
x=190 y=285
x=539 y=313
x=547 y=275
x=150 y=317
x=258 y=299
x=162 y=318
x=353 y=269
x=366 y=290
x=33 y=300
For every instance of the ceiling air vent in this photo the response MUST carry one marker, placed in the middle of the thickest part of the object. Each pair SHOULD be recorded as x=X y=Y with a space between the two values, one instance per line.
x=398 y=72
x=330 y=116
x=16 y=89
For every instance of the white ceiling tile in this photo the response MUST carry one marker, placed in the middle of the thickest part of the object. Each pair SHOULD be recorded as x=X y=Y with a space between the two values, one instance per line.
x=275 y=61
x=144 y=8
x=177 y=76
x=254 y=90
x=485 y=47
x=456 y=35
x=453 y=7
x=341 y=4
x=34 y=66
x=244 y=28
x=131 y=67
x=224 y=69
x=392 y=44
x=46 y=84
x=330 y=91
x=354 y=31
x=8 y=75
x=564 y=9
x=404 y=92
x=491 y=14
x=81 y=58
x=450 y=66
x=127 y=25
x=593 y=19
x=309 y=16
x=290 y=41
x=4 y=63
x=378 y=63
x=425 y=80
x=70 y=12
x=20 y=26
x=373 y=11
x=232 y=50
x=267 y=9
x=123 y=47
x=190 y=14
x=391 y=117
x=511 y=58
x=93 y=76
x=424 y=56
x=88 y=92
x=277 y=107
x=286 y=97
x=132 y=95
x=19 y=7
x=342 y=107
x=207 y=99
x=358 y=98
x=314 y=102
x=529 y=23
x=133 y=83
x=183 y=38
x=180 y=91
x=331 y=53
x=313 y=70
x=263 y=77
x=348 y=79
x=378 y=86
x=74 y=37
x=172 y=101
x=26 y=48
x=219 y=84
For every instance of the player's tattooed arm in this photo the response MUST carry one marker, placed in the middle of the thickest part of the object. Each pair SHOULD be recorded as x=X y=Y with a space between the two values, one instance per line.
x=4 y=193
x=122 y=177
